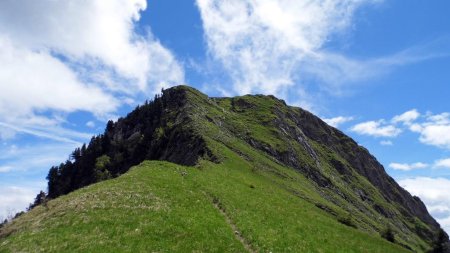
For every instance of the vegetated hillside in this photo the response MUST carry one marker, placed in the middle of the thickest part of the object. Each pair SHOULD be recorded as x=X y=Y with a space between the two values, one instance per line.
x=263 y=176
x=164 y=207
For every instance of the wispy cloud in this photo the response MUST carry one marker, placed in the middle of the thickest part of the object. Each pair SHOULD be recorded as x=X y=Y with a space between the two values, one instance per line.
x=407 y=117
x=433 y=129
x=14 y=199
x=5 y=169
x=22 y=172
x=386 y=143
x=39 y=156
x=339 y=70
x=443 y=163
x=438 y=164
x=408 y=167
x=337 y=121
x=53 y=133
x=264 y=45
x=376 y=128
x=90 y=124
x=280 y=47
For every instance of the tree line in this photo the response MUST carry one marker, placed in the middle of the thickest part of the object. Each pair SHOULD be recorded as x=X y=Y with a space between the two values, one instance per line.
x=123 y=144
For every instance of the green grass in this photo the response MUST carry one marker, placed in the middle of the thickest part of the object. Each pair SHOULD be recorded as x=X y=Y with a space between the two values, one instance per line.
x=152 y=208
x=164 y=207
x=255 y=119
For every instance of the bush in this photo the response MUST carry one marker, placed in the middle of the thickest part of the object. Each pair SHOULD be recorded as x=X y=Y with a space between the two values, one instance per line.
x=19 y=214
x=3 y=223
x=41 y=199
x=101 y=171
x=388 y=234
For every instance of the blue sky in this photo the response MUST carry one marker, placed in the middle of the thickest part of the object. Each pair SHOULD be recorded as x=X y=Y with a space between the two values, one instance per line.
x=376 y=69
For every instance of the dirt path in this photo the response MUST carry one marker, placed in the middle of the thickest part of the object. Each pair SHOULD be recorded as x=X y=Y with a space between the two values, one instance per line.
x=236 y=231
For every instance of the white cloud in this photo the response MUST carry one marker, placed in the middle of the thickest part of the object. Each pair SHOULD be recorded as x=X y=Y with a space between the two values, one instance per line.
x=39 y=156
x=66 y=56
x=434 y=193
x=264 y=45
x=90 y=124
x=14 y=199
x=19 y=164
x=7 y=133
x=417 y=128
x=376 y=129
x=35 y=81
x=337 y=121
x=408 y=167
x=51 y=132
x=91 y=32
x=436 y=135
x=280 y=47
x=338 y=70
x=440 y=119
x=4 y=169
x=386 y=143
x=435 y=130
x=407 y=117
x=443 y=163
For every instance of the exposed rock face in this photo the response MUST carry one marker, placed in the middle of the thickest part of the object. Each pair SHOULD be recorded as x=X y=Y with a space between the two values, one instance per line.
x=365 y=164
x=299 y=128
x=167 y=136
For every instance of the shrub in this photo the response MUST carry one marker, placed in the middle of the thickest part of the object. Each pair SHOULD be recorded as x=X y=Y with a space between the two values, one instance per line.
x=101 y=171
x=388 y=234
x=3 y=223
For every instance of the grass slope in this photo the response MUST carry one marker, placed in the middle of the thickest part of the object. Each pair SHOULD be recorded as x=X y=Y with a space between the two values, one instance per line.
x=164 y=207
x=246 y=202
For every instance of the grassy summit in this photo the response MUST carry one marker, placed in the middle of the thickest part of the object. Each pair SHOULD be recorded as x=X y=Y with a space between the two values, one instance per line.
x=242 y=174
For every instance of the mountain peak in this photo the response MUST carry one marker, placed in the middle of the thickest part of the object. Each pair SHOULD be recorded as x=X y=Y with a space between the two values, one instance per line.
x=288 y=147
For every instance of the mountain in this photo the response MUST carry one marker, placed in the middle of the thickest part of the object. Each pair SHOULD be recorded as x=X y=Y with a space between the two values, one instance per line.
x=247 y=173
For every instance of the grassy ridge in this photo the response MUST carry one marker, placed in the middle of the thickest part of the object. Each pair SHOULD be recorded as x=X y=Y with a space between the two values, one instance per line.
x=151 y=208
x=164 y=207
x=240 y=196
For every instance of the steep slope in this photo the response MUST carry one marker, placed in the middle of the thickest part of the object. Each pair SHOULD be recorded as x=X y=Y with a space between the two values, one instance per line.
x=300 y=158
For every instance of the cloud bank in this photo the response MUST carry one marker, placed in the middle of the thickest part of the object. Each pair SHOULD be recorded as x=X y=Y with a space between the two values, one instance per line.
x=66 y=56
x=13 y=199
x=408 y=167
